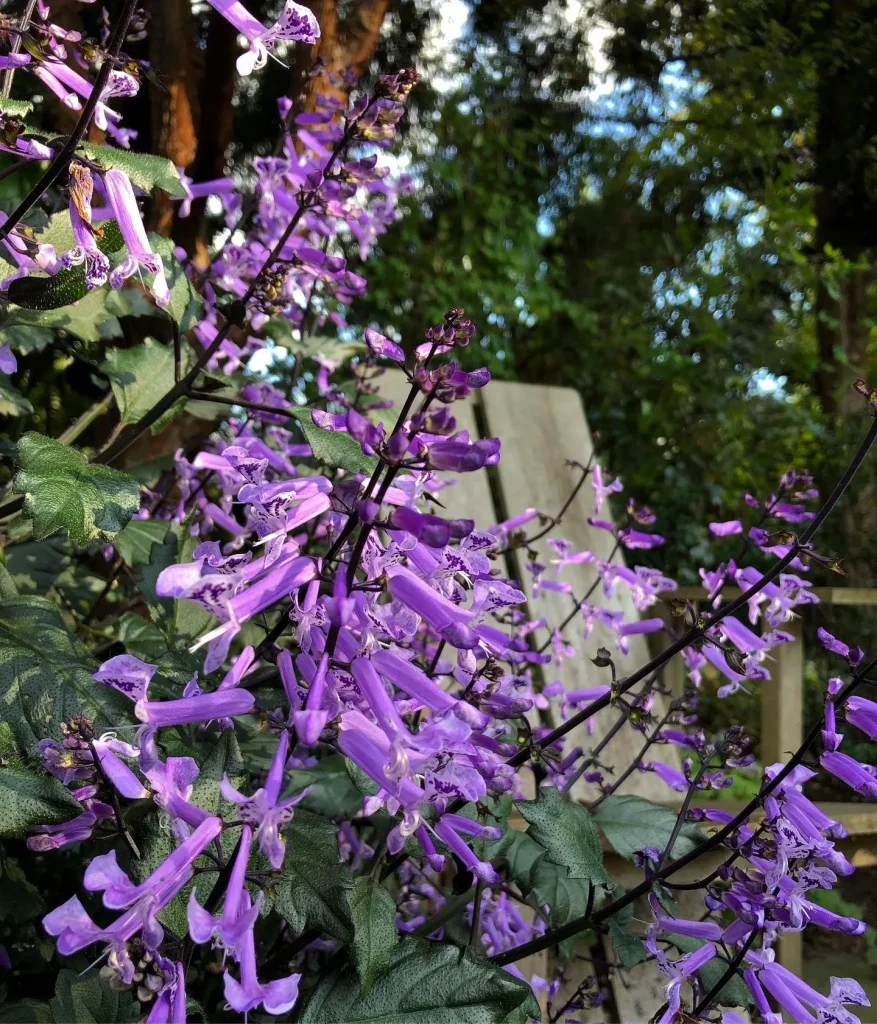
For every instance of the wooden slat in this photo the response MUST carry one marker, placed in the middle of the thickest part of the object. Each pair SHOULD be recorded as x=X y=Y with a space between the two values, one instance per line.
x=541 y=429
x=782 y=705
x=469 y=496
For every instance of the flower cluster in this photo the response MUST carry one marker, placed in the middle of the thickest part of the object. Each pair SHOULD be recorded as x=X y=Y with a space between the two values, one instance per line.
x=346 y=619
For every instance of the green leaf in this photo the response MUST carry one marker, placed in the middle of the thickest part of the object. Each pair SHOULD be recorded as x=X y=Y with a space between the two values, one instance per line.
x=313 y=892
x=68 y=285
x=87 y=999
x=27 y=800
x=139 y=377
x=26 y=1011
x=45 y=675
x=312 y=345
x=373 y=911
x=16 y=108
x=186 y=305
x=630 y=948
x=142 y=638
x=544 y=883
x=566 y=831
x=143 y=169
x=332 y=791
x=334 y=448
x=427 y=983
x=224 y=758
x=21 y=898
x=83 y=319
x=733 y=992
x=12 y=401
x=134 y=544
x=62 y=490
x=25 y=339
x=632 y=823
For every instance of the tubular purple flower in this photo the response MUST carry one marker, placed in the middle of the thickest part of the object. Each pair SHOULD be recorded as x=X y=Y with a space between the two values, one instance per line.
x=417 y=684
x=170 y=1006
x=708 y=930
x=296 y=24
x=104 y=875
x=265 y=809
x=310 y=722
x=276 y=996
x=140 y=256
x=8 y=362
x=365 y=749
x=74 y=929
x=232 y=923
x=727 y=529
x=449 y=621
x=481 y=869
x=848 y=770
x=862 y=714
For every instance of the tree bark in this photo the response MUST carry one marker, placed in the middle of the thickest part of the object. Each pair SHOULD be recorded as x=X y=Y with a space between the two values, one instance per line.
x=174 y=57
x=344 y=43
x=215 y=129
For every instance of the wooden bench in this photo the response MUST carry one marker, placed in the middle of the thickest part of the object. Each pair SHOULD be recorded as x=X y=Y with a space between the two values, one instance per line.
x=543 y=429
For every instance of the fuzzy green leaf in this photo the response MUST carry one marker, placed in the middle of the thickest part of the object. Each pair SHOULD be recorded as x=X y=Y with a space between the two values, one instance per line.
x=141 y=376
x=63 y=491
x=134 y=544
x=143 y=169
x=427 y=983
x=186 y=305
x=632 y=823
x=373 y=911
x=45 y=675
x=87 y=999
x=27 y=800
x=630 y=948
x=566 y=831
x=12 y=401
x=313 y=892
x=334 y=448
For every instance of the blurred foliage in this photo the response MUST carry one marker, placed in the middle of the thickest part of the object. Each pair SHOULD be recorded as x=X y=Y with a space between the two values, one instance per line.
x=648 y=238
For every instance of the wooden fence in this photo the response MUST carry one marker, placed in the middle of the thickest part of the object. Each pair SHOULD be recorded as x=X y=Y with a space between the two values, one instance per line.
x=543 y=429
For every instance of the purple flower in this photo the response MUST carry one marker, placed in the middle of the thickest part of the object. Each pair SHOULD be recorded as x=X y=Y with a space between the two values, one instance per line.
x=172 y=783
x=380 y=346
x=140 y=256
x=276 y=996
x=97 y=265
x=132 y=676
x=296 y=24
x=8 y=362
x=862 y=714
x=75 y=930
x=602 y=490
x=234 y=921
x=848 y=770
x=449 y=829
x=170 y=1006
x=265 y=809
x=672 y=776
x=831 y=643
x=726 y=529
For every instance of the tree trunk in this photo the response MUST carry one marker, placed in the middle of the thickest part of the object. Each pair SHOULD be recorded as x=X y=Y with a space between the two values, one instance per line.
x=345 y=44
x=174 y=57
x=215 y=129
